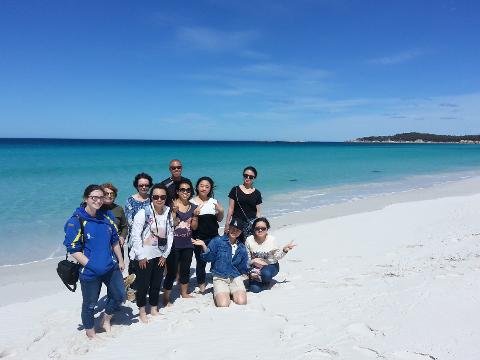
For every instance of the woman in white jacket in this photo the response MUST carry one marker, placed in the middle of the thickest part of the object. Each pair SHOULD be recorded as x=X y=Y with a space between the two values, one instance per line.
x=152 y=237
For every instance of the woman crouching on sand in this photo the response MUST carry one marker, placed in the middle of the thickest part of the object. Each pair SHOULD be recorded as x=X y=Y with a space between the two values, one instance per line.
x=263 y=255
x=229 y=260
x=92 y=239
x=152 y=238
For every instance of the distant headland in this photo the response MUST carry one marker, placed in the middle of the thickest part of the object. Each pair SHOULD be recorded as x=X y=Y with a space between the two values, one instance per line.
x=415 y=137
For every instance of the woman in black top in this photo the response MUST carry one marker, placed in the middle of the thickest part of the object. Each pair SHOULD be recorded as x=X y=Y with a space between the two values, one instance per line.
x=245 y=201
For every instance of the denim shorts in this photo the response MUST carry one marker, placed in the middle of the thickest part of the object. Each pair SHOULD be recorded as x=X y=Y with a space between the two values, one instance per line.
x=228 y=285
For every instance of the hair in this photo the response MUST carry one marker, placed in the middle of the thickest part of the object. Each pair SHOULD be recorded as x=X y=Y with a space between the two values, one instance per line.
x=210 y=181
x=157 y=186
x=110 y=186
x=252 y=169
x=142 y=176
x=174 y=160
x=184 y=181
x=263 y=219
x=88 y=190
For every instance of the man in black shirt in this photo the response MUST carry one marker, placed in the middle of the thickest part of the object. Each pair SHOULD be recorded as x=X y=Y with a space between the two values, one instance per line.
x=172 y=182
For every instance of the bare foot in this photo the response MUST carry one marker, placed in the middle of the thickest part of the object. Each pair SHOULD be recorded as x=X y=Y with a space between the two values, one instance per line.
x=143 y=315
x=201 y=288
x=187 y=296
x=184 y=291
x=91 y=333
x=154 y=311
x=106 y=325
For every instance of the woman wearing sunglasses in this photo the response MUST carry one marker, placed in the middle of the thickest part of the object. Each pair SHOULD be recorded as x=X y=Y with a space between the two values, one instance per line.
x=244 y=202
x=211 y=213
x=91 y=238
x=180 y=258
x=120 y=219
x=263 y=254
x=152 y=238
x=137 y=201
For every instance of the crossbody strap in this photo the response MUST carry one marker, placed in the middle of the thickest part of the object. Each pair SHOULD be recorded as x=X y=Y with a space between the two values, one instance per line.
x=238 y=202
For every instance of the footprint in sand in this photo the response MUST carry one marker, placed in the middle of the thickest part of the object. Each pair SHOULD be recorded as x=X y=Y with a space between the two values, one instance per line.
x=6 y=353
x=369 y=352
x=362 y=330
x=320 y=353
x=411 y=355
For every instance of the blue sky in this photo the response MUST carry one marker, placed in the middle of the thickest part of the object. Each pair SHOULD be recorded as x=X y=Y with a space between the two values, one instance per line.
x=238 y=70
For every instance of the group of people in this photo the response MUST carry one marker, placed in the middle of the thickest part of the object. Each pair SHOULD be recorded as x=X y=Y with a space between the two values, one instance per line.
x=161 y=228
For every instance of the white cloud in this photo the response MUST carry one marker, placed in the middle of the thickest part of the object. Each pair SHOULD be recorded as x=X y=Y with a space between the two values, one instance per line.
x=398 y=58
x=209 y=39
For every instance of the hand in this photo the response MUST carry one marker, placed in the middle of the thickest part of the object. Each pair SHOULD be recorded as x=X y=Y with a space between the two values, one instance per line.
x=121 y=240
x=196 y=212
x=198 y=242
x=143 y=263
x=161 y=261
x=259 y=263
x=174 y=208
x=218 y=207
x=289 y=247
x=121 y=265
x=225 y=230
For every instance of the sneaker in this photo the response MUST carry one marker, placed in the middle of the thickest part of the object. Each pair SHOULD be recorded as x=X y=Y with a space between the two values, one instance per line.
x=129 y=280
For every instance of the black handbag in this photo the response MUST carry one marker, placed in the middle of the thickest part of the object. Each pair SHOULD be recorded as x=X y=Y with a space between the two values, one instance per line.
x=69 y=270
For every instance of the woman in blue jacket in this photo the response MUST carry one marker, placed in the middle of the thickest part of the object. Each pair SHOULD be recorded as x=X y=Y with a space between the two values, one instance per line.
x=229 y=260
x=91 y=238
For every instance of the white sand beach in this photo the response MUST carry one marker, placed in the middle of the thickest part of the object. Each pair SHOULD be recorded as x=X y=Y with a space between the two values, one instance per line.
x=391 y=277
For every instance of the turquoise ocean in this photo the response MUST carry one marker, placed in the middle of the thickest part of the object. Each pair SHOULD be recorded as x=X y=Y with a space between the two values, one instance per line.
x=42 y=181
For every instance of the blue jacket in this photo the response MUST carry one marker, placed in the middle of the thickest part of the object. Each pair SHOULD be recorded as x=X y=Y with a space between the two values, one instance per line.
x=219 y=253
x=100 y=234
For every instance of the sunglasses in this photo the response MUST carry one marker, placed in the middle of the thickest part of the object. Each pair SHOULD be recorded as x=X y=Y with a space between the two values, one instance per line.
x=185 y=190
x=159 y=197
x=260 y=229
x=176 y=167
x=143 y=185
x=246 y=176
x=109 y=194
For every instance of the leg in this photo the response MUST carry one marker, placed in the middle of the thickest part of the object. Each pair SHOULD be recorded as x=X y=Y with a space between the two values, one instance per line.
x=200 y=269
x=155 y=284
x=171 y=265
x=239 y=294
x=115 y=295
x=221 y=291
x=90 y=291
x=143 y=284
x=255 y=286
x=268 y=273
x=185 y=260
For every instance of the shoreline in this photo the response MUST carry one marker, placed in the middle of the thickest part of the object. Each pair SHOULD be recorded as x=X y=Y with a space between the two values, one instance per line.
x=42 y=272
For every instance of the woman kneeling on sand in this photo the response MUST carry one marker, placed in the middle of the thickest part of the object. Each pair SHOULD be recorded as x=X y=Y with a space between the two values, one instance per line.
x=263 y=255
x=229 y=263
x=92 y=239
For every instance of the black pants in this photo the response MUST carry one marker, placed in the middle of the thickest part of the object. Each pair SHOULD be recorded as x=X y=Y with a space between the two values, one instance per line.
x=148 y=280
x=178 y=260
x=201 y=265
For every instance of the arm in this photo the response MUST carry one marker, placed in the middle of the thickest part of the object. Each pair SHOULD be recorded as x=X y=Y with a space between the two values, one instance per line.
x=194 y=222
x=169 y=231
x=118 y=252
x=258 y=211
x=209 y=253
x=231 y=205
x=136 y=234
x=81 y=259
x=219 y=211
x=122 y=226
